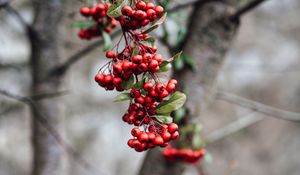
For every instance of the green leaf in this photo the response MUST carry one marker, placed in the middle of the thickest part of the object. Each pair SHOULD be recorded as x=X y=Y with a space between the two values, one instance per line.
x=164 y=119
x=107 y=41
x=175 y=57
x=149 y=42
x=157 y=23
x=189 y=61
x=122 y=97
x=128 y=84
x=165 y=66
x=138 y=85
x=178 y=64
x=175 y=102
x=83 y=24
x=135 y=50
x=208 y=157
x=115 y=10
x=179 y=114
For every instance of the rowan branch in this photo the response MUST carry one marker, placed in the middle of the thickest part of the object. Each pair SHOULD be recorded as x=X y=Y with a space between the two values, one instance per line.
x=259 y=107
x=248 y=7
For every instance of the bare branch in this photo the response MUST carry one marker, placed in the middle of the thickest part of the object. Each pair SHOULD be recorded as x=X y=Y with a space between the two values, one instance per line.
x=234 y=127
x=250 y=6
x=42 y=119
x=259 y=107
x=188 y=4
x=61 y=69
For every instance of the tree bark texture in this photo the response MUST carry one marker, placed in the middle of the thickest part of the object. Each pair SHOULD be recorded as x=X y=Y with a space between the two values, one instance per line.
x=48 y=155
x=210 y=34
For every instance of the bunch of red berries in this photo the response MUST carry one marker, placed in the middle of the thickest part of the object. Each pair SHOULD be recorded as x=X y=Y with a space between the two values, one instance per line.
x=158 y=135
x=184 y=155
x=141 y=15
x=135 y=69
x=102 y=22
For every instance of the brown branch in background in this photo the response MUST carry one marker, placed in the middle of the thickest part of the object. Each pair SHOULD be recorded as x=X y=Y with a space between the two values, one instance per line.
x=234 y=127
x=259 y=107
x=61 y=69
x=248 y=7
x=42 y=119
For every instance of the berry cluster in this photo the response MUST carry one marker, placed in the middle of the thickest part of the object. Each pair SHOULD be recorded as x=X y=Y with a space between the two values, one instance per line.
x=97 y=15
x=155 y=137
x=134 y=69
x=184 y=155
x=141 y=15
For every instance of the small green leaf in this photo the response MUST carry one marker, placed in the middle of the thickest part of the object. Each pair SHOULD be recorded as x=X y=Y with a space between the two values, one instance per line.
x=149 y=42
x=175 y=57
x=115 y=10
x=179 y=114
x=135 y=50
x=122 y=97
x=165 y=67
x=128 y=84
x=83 y=24
x=164 y=119
x=107 y=41
x=175 y=102
x=189 y=61
x=178 y=64
x=157 y=23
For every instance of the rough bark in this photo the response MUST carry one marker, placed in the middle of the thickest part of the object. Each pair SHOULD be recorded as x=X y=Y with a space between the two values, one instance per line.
x=209 y=37
x=48 y=156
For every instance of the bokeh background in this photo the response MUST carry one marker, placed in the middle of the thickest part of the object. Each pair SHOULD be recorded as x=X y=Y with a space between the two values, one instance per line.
x=263 y=65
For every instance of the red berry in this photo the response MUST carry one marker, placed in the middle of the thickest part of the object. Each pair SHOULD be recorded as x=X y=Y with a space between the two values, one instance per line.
x=99 y=77
x=85 y=11
x=172 y=127
x=143 y=137
x=175 y=135
x=173 y=81
x=126 y=65
x=143 y=67
x=151 y=136
x=153 y=93
x=148 y=86
x=108 y=29
x=159 y=10
x=147 y=57
x=158 y=140
x=151 y=14
x=158 y=58
x=108 y=79
x=110 y=54
x=166 y=136
x=164 y=94
x=170 y=87
x=135 y=93
x=100 y=7
x=159 y=88
x=140 y=15
x=150 y=5
x=141 y=5
x=130 y=143
x=153 y=64
x=136 y=132
x=148 y=100
x=137 y=59
x=140 y=100
x=127 y=11
x=117 y=68
x=117 y=81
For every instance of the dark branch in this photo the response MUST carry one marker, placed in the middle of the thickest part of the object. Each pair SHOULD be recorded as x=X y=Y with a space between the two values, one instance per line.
x=250 y=6
x=259 y=107
x=61 y=69
x=42 y=119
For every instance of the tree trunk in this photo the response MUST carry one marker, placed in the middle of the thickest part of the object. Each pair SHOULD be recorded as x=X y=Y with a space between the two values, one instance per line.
x=48 y=155
x=209 y=36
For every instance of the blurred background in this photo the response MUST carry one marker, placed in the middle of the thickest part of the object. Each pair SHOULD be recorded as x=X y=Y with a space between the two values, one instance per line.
x=262 y=64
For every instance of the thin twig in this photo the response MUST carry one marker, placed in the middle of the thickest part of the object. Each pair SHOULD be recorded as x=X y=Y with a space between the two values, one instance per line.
x=251 y=5
x=62 y=68
x=234 y=127
x=259 y=107
x=42 y=119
